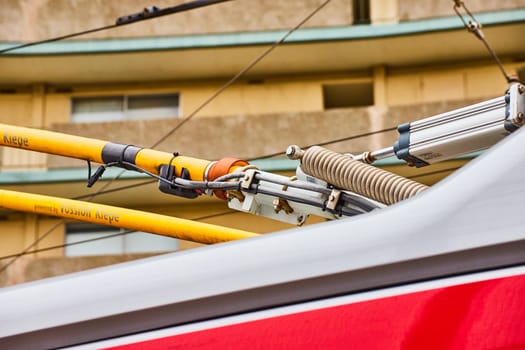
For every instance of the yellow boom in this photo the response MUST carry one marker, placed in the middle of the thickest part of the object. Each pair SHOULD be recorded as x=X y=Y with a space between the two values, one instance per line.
x=120 y=217
x=110 y=152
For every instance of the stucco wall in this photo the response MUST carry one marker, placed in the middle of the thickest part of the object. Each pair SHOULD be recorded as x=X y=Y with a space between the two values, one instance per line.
x=419 y=9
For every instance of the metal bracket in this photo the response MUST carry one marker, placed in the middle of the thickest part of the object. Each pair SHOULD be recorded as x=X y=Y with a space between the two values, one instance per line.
x=333 y=198
x=168 y=172
x=515 y=109
x=248 y=179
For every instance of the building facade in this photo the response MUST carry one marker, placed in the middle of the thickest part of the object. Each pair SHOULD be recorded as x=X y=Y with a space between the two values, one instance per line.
x=354 y=68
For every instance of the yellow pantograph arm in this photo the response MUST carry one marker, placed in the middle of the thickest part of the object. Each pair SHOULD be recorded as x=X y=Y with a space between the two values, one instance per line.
x=120 y=217
x=110 y=152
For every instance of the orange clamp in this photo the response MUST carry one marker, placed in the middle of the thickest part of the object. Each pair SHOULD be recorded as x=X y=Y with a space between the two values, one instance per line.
x=223 y=167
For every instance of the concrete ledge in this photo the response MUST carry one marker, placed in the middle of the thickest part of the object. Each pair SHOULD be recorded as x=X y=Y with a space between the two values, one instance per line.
x=309 y=35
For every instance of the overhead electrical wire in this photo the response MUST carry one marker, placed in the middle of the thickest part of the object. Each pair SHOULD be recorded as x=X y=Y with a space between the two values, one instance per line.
x=330 y=142
x=117 y=189
x=192 y=114
x=45 y=249
x=145 y=14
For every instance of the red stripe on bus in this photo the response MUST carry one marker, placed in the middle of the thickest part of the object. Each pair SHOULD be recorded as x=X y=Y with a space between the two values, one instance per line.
x=480 y=315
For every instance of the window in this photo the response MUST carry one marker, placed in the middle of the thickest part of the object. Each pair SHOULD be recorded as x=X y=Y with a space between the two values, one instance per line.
x=137 y=242
x=113 y=108
x=348 y=95
x=361 y=11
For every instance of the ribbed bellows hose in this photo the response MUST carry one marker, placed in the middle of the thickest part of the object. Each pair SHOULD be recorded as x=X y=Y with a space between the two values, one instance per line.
x=346 y=173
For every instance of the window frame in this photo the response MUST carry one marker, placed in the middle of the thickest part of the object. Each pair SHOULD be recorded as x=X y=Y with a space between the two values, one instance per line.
x=124 y=112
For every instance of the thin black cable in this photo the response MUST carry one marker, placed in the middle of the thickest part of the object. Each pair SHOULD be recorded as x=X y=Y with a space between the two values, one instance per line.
x=117 y=189
x=191 y=115
x=147 y=13
x=34 y=251
x=217 y=184
x=348 y=138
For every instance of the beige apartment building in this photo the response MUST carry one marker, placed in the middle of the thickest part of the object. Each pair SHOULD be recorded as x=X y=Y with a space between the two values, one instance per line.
x=354 y=68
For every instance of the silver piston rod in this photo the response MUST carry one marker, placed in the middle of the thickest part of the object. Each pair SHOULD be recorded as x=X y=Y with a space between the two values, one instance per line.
x=458 y=132
x=344 y=172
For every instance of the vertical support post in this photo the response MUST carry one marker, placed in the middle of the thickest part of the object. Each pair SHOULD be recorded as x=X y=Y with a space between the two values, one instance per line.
x=378 y=110
x=384 y=11
x=30 y=230
x=380 y=98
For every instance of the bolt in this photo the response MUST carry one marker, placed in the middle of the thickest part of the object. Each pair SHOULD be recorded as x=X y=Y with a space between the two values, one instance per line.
x=294 y=152
x=520 y=117
x=521 y=89
x=277 y=205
